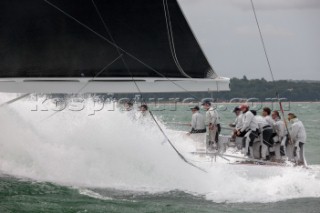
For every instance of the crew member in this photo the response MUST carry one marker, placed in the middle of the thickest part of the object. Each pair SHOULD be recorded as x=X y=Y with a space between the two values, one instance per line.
x=128 y=106
x=131 y=112
x=280 y=139
x=250 y=129
x=211 y=122
x=143 y=116
x=266 y=112
x=144 y=110
x=298 y=137
x=197 y=122
x=267 y=133
x=238 y=123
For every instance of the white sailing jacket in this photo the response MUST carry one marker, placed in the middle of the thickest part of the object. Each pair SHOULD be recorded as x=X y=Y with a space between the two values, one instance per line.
x=262 y=122
x=270 y=121
x=249 y=122
x=197 y=122
x=239 y=122
x=212 y=117
x=280 y=128
x=298 y=132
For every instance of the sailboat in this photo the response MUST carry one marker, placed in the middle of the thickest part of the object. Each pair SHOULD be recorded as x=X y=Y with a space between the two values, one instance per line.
x=96 y=46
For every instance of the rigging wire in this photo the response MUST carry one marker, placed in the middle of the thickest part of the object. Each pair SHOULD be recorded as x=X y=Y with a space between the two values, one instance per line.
x=150 y=112
x=117 y=46
x=100 y=72
x=172 y=145
x=171 y=41
x=113 y=40
x=270 y=69
x=14 y=100
x=171 y=38
x=140 y=92
x=262 y=40
x=137 y=86
x=86 y=84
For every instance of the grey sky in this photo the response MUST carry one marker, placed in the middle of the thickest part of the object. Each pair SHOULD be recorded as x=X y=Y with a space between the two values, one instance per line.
x=227 y=31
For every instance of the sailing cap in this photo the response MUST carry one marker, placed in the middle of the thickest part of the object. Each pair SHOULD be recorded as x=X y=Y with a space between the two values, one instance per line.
x=206 y=102
x=195 y=108
x=236 y=109
x=129 y=103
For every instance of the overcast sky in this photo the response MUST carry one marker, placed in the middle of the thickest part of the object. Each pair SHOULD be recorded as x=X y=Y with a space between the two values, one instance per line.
x=228 y=34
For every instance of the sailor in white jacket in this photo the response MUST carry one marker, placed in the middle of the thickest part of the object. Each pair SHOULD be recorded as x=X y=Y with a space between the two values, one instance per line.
x=197 y=122
x=298 y=137
x=211 y=121
x=238 y=123
x=266 y=114
x=250 y=128
x=280 y=140
x=265 y=137
x=269 y=133
x=131 y=112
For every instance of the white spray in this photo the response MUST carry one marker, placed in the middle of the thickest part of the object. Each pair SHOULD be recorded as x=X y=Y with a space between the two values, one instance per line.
x=109 y=150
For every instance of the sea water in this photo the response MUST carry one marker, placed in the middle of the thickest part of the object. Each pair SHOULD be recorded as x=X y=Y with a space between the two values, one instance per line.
x=74 y=161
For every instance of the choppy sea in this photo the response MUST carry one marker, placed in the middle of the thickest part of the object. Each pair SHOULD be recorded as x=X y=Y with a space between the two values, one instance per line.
x=102 y=161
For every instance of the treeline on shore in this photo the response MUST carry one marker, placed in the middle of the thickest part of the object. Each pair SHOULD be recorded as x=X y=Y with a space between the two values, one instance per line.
x=262 y=89
x=255 y=88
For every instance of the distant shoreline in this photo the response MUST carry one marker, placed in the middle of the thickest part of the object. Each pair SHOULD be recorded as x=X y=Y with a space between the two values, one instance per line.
x=228 y=103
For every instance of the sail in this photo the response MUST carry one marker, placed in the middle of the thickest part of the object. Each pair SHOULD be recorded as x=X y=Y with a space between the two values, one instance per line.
x=98 y=38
